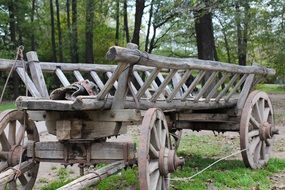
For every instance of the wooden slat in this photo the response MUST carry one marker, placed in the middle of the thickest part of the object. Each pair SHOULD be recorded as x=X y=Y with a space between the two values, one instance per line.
x=62 y=77
x=78 y=75
x=154 y=85
x=37 y=74
x=222 y=93
x=245 y=91
x=163 y=85
x=147 y=83
x=97 y=79
x=240 y=82
x=28 y=82
x=161 y=78
x=109 y=75
x=219 y=83
x=206 y=86
x=140 y=81
x=197 y=79
x=107 y=87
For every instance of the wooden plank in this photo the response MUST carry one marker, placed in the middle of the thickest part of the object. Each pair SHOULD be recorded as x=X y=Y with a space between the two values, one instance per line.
x=109 y=75
x=62 y=77
x=224 y=91
x=97 y=79
x=28 y=82
x=78 y=75
x=206 y=86
x=203 y=117
x=153 y=84
x=140 y=81
x=107 y=87
x=129 y=56
x=245 y=91
x=147 y=83
x=37 y=74
x=240 y=82
x=161 y=78
x=118 y=115
x=197 y=79
x=163 y=85
x=219 y=83
x=121 y=92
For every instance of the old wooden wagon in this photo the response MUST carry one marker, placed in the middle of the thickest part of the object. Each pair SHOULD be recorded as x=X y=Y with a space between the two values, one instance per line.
x=164 y=95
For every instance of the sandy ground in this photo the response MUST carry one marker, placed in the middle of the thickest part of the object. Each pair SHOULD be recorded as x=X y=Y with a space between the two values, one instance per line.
x=47 y=171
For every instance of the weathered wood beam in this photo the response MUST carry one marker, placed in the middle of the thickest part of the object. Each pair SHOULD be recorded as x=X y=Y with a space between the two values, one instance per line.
x=97 y=79
x=93 y=178
x=78 y=75
x=62 y=77
x=126 y=55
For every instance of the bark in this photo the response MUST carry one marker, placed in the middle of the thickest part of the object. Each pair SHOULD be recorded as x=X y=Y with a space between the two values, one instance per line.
x=69 y=26
x=89 y=31
x=33 y=42
x=126 y=21
x=140 y=4
x=148 y=26
x=59 y=32
x=117 y=22
x=54 y=59
x=74 y=35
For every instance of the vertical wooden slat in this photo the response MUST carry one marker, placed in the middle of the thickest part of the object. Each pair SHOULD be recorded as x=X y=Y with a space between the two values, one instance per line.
x=245 y=91
x=147 y=83
x=222 y=93
x=107 y=87
x=163 y=85
x=206 y=86
x=62 y=77
x=37 y=73
x=140 y=81
x=109 y=74
x=240 y=82
x=78 y=75
x=28 y=82
x=219 y=83
x=97 y=79
x=197 y=79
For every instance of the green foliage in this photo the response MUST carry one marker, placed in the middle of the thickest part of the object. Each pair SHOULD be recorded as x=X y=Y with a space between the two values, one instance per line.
x=7 y=105
x=271 y=88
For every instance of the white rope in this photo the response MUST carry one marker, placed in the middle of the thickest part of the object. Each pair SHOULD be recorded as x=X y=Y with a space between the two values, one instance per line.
x=191 y=177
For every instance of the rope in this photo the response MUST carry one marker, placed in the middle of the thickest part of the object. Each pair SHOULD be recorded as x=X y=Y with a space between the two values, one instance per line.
x=19 y=51
x=191 y=177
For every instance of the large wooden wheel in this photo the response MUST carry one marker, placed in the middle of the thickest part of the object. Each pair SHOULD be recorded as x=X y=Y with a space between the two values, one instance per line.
x=257 y=129
x=12 y=134
x=156 y=159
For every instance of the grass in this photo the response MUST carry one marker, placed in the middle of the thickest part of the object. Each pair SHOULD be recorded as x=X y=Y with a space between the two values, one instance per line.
x=271 y=88
x=7 y=105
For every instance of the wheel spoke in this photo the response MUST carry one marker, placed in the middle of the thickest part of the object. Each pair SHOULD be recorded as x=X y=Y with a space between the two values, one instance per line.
x=253 y=121
x=262 y=154
x=153 y=150
x=154 y=179
x=12 y=132
x=253 y=144
x=261 y=108
x=156 y=138
x=163 y=137
x=4 y=142
x=253 y=133
x=266 y=114
x=258 y=112
x=153 y=165
x=20 y=135
x=257 y=151
x=159 y=183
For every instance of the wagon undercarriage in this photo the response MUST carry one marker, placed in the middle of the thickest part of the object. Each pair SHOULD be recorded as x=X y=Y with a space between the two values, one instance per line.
x=162 y=95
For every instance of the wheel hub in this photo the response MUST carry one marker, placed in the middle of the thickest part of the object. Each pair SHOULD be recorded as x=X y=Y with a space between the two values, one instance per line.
x=169 y=161
x=267 y=131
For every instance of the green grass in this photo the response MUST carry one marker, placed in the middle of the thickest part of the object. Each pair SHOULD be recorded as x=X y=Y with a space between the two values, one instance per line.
x=271 y=88
x=7 y=105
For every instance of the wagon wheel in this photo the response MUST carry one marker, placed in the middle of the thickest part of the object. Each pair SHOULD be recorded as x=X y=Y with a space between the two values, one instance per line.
x=257 y=129
x=12 y=133
x=175 y=138
x=156 y=159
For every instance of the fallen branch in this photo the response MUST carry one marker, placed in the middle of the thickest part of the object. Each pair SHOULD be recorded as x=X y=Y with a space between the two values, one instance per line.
x=93 y=178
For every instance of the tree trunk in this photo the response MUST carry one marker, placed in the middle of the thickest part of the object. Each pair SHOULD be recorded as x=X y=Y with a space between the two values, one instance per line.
x=33 y=42
x=69 y=26
x=59 y=32
x=89 y=31
x=52 y=32
x=74 y=41
x=117 y=22
x=126 y=21
x=140 y=4
x=148 y=26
